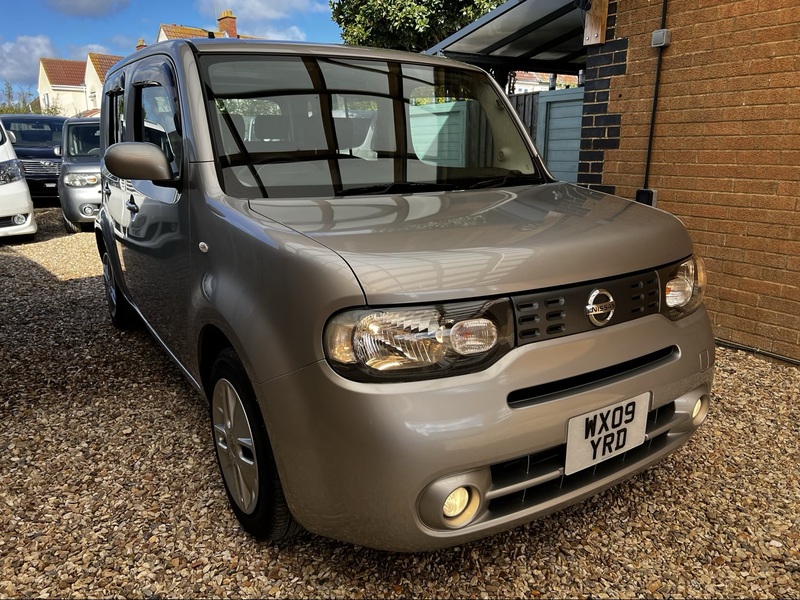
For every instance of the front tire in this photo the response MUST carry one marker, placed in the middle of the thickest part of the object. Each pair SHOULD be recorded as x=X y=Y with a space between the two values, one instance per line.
x=244 y=454
x=70 y=226
x=122 y=314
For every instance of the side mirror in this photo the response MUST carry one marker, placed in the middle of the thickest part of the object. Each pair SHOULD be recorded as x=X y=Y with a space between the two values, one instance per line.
x=12 y=137
x=139 y=160
x=57 y=150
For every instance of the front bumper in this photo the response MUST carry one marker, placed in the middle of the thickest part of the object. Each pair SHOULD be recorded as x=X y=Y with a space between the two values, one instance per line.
x=16 y=200
x=356 y=459
x=42 y=186
x=76 y=202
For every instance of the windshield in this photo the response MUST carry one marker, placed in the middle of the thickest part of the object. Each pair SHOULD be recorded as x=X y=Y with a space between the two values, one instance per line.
x=308 y=126
x=35 y=133
x=83 y=140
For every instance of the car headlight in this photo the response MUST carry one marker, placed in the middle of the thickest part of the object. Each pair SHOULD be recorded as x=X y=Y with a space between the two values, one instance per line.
x=685 y=287
x=81 y=179
x=10 y=171
x=423 y=342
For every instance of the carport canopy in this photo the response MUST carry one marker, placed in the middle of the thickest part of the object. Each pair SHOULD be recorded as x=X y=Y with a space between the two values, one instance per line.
x=544 y=36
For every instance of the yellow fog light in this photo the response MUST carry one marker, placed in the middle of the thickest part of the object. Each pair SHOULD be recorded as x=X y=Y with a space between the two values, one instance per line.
x=456 y=503
x=697 y=406
x=700 y=409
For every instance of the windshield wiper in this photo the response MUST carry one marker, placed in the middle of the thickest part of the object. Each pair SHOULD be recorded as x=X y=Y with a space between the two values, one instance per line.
x=398 y=187
x=511 y=178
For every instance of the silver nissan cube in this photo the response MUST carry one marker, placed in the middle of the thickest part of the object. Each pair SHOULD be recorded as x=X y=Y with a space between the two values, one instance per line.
x=408 y=333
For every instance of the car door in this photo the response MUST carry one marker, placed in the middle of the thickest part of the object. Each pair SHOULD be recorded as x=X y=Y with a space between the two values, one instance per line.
x=154 y=243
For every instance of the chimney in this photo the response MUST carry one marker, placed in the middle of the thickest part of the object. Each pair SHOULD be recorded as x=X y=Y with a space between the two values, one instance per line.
x=227 y=24
x=140 y=44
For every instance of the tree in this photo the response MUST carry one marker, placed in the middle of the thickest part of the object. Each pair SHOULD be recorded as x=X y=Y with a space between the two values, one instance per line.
x=413 y=25
x=24 y=102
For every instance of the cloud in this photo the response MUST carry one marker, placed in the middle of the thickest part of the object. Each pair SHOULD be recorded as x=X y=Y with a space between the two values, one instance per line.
x=88 y=8
x=19 y=60
x=259 y=10
x=291 y=34
x=80 y=52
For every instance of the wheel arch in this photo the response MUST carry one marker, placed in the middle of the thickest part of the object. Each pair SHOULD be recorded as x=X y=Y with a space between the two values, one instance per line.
x=211 y=341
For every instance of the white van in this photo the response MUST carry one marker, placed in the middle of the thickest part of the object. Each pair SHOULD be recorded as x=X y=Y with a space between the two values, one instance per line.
x=16 y=207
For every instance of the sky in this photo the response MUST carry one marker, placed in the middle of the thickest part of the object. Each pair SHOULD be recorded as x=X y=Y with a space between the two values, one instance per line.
x=73 y=28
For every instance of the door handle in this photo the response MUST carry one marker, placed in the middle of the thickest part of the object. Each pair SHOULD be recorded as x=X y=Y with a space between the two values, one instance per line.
x=131 y=205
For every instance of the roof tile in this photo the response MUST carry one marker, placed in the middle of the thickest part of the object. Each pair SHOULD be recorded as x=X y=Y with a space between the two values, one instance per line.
x=102 y=63
x=60 y=71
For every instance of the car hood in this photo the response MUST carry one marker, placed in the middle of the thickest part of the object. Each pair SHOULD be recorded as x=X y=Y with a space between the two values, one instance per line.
x=426 y=247
x=81 y=165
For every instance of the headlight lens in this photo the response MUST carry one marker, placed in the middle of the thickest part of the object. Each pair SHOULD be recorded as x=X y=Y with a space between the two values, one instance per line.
x=685 y=288
x=81 y=179
x=10 y=171
x=402 y=344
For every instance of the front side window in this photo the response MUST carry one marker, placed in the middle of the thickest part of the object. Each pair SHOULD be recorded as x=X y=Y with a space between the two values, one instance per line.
x=116 y=109
x=302 y=127
x=156 y=123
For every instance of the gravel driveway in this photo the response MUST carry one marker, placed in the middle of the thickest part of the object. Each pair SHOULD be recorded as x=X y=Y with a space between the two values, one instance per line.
x=109 y=487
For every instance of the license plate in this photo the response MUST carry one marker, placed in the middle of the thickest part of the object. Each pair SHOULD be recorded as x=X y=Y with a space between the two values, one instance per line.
x=49 y=185
x=606 y=433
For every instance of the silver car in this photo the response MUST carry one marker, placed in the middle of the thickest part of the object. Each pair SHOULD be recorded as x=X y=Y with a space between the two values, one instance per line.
x=79 y=181
x=409 y=335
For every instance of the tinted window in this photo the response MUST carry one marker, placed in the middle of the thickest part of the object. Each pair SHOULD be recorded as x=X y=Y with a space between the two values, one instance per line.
x=83 y=140
x=42 y=132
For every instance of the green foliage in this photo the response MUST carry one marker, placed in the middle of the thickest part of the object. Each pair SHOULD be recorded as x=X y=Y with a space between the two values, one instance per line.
x=23 y=102
x=413 y=25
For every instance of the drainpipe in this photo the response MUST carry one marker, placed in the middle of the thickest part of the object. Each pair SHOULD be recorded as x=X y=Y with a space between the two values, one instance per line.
x=646 y=195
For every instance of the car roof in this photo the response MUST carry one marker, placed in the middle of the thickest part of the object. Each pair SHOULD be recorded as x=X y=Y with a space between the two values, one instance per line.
x=239 y=46
x=82 y=120
x=31 y=117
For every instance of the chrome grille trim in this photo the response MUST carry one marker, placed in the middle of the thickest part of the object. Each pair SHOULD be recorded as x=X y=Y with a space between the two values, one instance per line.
x=41 y=167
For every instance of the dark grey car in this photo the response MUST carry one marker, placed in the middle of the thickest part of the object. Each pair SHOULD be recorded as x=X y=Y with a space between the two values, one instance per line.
x=37 y=145
x=79 y=181
x=410 y=336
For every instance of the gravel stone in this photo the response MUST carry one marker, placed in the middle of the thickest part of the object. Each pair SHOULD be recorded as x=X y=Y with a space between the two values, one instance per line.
x=109 y=486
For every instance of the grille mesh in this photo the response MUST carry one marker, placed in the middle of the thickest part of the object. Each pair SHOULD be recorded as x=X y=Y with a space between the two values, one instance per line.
x=555 y=313
x=41 y=167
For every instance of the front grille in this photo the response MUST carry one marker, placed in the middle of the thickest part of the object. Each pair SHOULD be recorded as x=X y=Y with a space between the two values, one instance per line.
x=532 y=480
x=41 y=167
x=555 y=313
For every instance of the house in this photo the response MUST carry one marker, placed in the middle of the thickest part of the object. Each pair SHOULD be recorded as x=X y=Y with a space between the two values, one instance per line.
x=226 y=28
x=73 y=86
x=61 y=85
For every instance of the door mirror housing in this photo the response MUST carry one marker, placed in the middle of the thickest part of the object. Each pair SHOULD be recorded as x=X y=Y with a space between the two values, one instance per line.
x=139 y=160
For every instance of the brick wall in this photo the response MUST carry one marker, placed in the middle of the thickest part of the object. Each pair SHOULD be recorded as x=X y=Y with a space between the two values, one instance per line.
x=726 y=150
